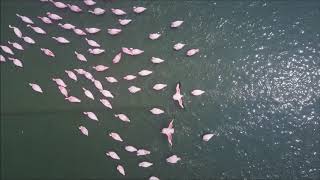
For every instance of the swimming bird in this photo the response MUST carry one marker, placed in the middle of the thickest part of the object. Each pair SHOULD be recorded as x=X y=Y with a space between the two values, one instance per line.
x=16 y=62
x=58 y=4
x=113 y=155
x=114 y=31
x=36 y=87
x=124 y=22
x=126 y=51
x=80 y=71
x=145 y=164
x=80 y=57
x=92 y=30
x=59 y=82
x=197 y=92
x=134 y=89
x=74 y=8
x=117 y=58
x=61 y=40
x=154 y=36
x=73 y=99
x=88 y=93
x=173 y=159
x=207 y=137
x=37 y=29
x=144 y=72
x=47 y=52
x=156 y=60
x=79 y=32
x=92 y=42
x=98 y=84
x=89 y=2
x=53 y=16
x=192 y=52
x=106 y=103
x=71 y=75
x=143 y=152
x=100 y=68
x=176 y=24
x=97 y=11
x=159 y=86
x=25 y=19
x=28 y=40
x=66 y=26
x=178 y=46
x=7 y=49
x=153 y=178
x=121 y=170
x=122 y=117
x=169 y=132
x=83 y=130
x=106 y=93
x=118 y=12
x=129 y=77
x=45 y=19
x=63 y=91
x=16 y=45
x=96 y=51
x=135 y=52
x=130 y=149
x=91 y=115
x=115 y=136
x=177 y=96
x=16 y=31
x=2 y=58
x=89 y=76
x=156 y=111
x=139 y=9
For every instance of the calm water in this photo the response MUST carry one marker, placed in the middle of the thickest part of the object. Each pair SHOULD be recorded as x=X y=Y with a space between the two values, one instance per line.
x=259 y=64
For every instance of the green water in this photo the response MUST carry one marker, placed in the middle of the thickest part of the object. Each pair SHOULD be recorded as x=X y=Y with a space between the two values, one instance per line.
x=259 y=64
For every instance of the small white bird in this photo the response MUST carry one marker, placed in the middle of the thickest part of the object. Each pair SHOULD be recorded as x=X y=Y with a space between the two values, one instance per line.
x=178 y=46
x=118 y=12
x=28 y=40
x=197 y=92
x=116 y=136
x=37 y=29
x=106 y=103
x=129 y=77
x=2 y=58
x=111 y=79
x=92 y=30
x=192 y=52
x=121 y=170
x=97 y=11
x=91 y=115
x=156 y=60
x=73 y=99
x=7 y=49
x=58 y=4
x=47 y=52
x=84 y=130
x=36 y=87
x=134 y=89
x=122 y=117
x=66 y=26
x=139 y=10
x=74 y=8
x=16 y=62
x=89 y=2
x=113 y=155
x=153 y=178
x=98 y=84
x=124 y=22
x=89 y=76
x=59 y=82
x=143 y=152
x=176 y=24
x=16 y=31
x=61 y=40
x=100 y=68
x=156 y=111
x=114 y=31
x=79 y=32
x=71 y=75
x=126 y=51
x=16 y=45
x=53 y=16
x=145 y=164
x=173 y=159
x=25 y=19
x=130 y=149
x=63 y=91
x=45 y=19
x=117 y=58
x=154 y=36
x=92 y=42
x=80 y=57
x=88 y=93
x=80 y=71
x=144 y=72
x=106 y=93
x=159 y=86
x=207 y=137
x=96 y=51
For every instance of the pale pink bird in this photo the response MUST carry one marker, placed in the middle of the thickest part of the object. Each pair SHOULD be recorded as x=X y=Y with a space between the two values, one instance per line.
x=83 y=130
x=124 y=22
x=129 y=77
x=96 y=51
x=136 y=51
x=106 y=93
x=63 y=91
x=28 y=40
x=134 y=89
x=153 y=178
x=61 y=40
x=117 y=58
x=113 y=155
x=126 y=51
x=144 y=72
x=139 y=10
x=169 y=132
x=121 y=170
x=156 y=111
x=16 y=45
x=66 y=26
x=58 y=4
x=16 y=62
x=154 y=36
x=130 y=149
x=59 y=82
x=176 y=24
x=98 y=84
x=207 y=137
x=159 y=86
x=100 y=68
x=143 y=152
x=7 y=49
x=111 y=79
x=53 y=16
x=2 y=59
x=177 y=96
x=145 y=164
x=115 y=136
x=89 y=2
x=16 y=31
x=80 y=71
x=71 y=75
x=97 y=11
x=88 y=93
x=79 y=32
x=47 y=52
x=73 y=99
x=25 y=19
x=106 y=103
x=192 y=52
x=74 y=8
x=122 y=117
x=92 y=30
x=178 y=46
x=156 y=60
x=197 y=92
x=173 y=159
x=92 y=42
x=45 y=20
x=89 y=76
x=36 y=87
x=80 y=57
x=118 y=12
x=114 y=31
x=91 y=115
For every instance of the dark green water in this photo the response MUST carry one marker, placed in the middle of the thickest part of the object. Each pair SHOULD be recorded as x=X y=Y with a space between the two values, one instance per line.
x=259 y=64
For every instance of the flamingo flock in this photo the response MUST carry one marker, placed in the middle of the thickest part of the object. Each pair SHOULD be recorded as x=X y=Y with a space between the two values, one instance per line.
x=97 y=49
